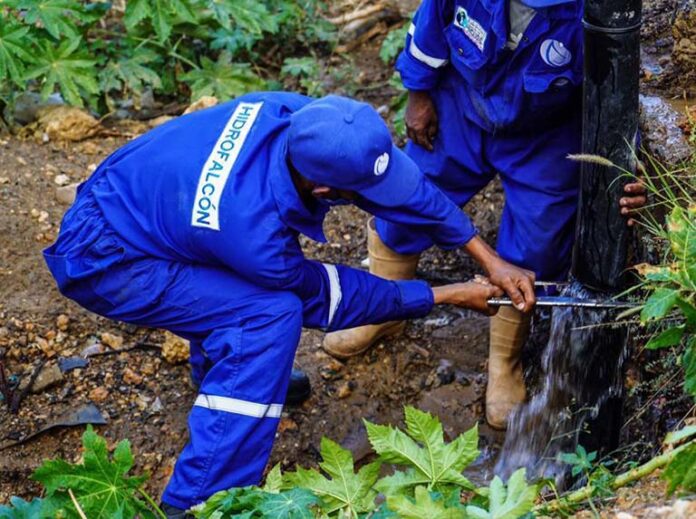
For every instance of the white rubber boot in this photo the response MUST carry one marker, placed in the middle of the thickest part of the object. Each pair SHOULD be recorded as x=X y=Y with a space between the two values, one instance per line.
x=384 y=263
x=506 y=389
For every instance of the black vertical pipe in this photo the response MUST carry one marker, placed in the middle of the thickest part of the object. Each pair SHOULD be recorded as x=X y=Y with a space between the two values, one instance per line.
x=610 y=126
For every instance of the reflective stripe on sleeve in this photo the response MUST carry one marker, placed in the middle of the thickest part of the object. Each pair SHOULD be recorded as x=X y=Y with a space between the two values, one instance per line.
x=236 y=406
x=420 y=55
x=335 y=291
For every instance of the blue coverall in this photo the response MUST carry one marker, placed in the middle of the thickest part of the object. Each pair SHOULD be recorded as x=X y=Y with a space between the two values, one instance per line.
x=511 y=112
x=193 y=227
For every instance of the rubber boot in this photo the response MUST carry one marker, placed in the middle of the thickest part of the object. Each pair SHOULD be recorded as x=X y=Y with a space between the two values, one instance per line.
x=384 y=263
x=506 y=389
x=172 y=512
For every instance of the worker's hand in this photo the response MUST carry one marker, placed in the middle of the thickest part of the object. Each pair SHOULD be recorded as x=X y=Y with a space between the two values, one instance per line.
x=517 y=282
x=473 y=295
x=636 y=198
x=421 y=119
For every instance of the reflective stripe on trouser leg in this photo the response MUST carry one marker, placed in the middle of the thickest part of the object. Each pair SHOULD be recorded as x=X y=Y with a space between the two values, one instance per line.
x=233 y=422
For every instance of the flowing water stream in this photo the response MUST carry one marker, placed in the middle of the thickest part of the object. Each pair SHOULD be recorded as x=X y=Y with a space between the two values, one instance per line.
x=579 y=400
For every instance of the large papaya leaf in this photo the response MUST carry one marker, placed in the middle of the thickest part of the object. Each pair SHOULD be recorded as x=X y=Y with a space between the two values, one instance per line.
x=423 y=506
x=58 y=17
x=101 y=485
x=14 y=40
x=21 y=509
x=422 y=448
x=67 y=68
x=222 y=79
x=512 y=502
x=344 y=489
x=163 y=14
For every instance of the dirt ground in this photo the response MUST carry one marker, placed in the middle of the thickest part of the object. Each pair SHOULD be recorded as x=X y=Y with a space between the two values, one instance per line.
x=437 y=365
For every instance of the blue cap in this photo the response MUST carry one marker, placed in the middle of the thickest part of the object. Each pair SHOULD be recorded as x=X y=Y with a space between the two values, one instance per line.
x=342 y=143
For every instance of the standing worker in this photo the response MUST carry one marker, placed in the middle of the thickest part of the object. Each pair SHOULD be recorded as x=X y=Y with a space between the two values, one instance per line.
x=494 y=87
x=193 y=227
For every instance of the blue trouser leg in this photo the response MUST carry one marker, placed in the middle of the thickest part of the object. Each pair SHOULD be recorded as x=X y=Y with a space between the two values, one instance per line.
x=541 y=196
x=247 y=338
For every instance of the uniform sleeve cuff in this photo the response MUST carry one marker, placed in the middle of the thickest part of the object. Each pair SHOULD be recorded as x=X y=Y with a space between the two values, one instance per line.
x=416 y=298
x=415 y=75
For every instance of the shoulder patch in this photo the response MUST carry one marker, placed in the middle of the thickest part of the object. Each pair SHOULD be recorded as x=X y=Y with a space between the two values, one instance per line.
x=217 y=167
x=470 y=27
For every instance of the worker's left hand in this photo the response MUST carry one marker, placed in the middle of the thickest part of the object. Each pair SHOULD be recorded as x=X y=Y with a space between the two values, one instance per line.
x=636 y=198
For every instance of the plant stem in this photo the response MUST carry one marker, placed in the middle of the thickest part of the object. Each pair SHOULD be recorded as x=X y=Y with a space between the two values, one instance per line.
x=152 y=503
x=77 y=505
x=621 y=480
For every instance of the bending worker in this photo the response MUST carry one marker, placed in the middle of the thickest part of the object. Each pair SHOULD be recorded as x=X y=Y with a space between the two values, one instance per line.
x=494 y=87
x=193 y=227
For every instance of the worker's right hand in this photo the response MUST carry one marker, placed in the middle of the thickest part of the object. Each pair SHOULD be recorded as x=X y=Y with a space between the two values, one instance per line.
x=517 y=282
x=421 y=119
x=473 y=295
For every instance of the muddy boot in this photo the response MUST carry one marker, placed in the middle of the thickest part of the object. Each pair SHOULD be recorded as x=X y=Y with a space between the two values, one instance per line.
x=384 y=263
x=509 y=331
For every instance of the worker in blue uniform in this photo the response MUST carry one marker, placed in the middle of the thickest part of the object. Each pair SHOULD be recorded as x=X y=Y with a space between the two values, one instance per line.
x=193 y=227
x=494 y=88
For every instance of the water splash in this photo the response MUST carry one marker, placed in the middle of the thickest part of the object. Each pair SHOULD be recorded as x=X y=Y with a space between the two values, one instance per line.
x=581 y=381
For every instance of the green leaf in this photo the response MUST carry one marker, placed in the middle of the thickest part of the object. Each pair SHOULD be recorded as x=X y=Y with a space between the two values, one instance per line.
x=58 y=17
x=689 y=365
x=689 y=311
x=14 y=40
x=248 y=16
x=100 y=484
x=670 y=337
x=67 y=68
x=21 y=509
x=344 y=490
x=306 y=67
x=222 y=79
x=422 y=447
x=424 y=506
x=511 y=503
x=130 y=72
x=292 y=504
x=274 y=480
x=235 y=502
x=681 y=472
x=393 y=43
x=163 y=15
x=659 y=304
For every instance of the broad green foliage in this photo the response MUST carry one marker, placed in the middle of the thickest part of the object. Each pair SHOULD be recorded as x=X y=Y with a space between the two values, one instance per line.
x=422 y=449
x=222 y=78
x=344 y=489
x=430 y=486
x=681 y=472
x=671 y=304
x=392 y=44
x=580 y=460
x=507 y=503
x=425 y=504
x=100 y=484
x=93 y=55
x=21 y=509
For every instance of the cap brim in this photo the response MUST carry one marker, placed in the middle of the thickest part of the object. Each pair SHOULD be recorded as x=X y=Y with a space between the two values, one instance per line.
x=398 y=183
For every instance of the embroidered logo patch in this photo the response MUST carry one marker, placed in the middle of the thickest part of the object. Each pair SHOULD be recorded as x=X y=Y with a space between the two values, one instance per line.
x=554 y=53
x=470 y=27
